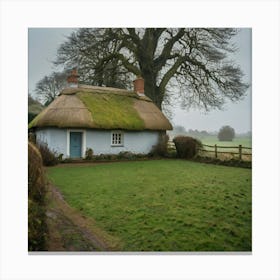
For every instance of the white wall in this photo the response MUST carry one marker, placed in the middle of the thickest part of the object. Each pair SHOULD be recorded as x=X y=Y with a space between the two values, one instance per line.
x=99 y=141
x=55 y=138
x=135 y=142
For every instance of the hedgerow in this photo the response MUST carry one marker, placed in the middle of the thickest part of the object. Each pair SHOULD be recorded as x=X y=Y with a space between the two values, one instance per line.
x=186 y=147
x=37 y=226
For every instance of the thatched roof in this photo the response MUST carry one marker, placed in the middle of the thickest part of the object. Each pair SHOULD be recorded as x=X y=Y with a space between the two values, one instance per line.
x=102 y=108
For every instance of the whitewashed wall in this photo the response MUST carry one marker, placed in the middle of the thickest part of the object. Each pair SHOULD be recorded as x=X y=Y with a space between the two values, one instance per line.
x=99 y=141
x=55 y=138
x=135 y=142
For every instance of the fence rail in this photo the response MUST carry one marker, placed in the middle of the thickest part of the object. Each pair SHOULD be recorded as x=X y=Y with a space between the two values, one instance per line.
x=238 y=150
x=225 y=147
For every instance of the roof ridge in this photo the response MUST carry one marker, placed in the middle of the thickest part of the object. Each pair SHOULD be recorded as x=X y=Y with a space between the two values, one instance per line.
x=103 y=90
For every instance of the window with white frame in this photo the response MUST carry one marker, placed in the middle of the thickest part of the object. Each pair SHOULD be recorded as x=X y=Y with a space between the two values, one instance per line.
x=117 y=138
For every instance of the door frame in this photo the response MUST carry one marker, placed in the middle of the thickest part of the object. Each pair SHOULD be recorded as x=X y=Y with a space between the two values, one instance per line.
x=83 y=148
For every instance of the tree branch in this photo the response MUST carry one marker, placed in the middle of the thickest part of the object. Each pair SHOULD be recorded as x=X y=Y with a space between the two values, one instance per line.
x=157 y=32
x=170 y=73
x=133 y=35
x=161 y=60
x=129 y=66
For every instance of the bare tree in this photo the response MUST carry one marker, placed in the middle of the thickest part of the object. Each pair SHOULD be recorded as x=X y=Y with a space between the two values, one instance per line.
x=49 y=87
x=193 y=60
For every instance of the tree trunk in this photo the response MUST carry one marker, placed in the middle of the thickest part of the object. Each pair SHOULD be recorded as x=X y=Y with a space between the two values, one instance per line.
x=145 y=54
x=152 y=90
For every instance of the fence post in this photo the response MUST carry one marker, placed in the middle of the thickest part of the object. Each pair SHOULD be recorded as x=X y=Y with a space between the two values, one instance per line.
x=216 y=154
x=240 y=152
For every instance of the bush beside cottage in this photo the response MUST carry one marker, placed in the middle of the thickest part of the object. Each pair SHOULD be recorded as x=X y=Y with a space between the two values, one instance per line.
x=37 y=226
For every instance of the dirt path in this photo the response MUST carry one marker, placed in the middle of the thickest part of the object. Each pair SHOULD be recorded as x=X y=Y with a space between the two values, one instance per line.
x=71 y=231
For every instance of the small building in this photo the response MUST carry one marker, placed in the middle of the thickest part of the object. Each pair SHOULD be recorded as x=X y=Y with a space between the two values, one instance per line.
x=107 y=120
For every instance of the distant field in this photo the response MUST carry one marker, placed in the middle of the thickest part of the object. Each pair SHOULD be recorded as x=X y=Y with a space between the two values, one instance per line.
x=212 y=140
x=163 y=205
x=227 y=153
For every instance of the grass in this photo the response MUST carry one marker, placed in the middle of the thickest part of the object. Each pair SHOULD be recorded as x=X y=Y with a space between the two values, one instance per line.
x=67 y=229
x=212 y=140
x=245 y=142
x=163 y=205
x=104 y=106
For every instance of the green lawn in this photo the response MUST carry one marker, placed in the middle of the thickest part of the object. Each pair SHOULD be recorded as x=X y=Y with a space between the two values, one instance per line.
x=163 y=205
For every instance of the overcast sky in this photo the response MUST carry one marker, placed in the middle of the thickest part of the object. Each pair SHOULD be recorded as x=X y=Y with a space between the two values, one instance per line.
x=44 y=42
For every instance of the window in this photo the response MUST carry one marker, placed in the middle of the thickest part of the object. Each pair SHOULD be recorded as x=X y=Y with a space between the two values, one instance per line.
x=117 y=138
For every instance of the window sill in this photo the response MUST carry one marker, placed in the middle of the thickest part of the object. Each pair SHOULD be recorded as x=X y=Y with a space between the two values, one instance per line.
x=120 y=145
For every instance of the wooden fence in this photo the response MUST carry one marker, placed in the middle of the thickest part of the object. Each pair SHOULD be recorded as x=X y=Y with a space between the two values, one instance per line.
x=233 y=150
x=216 y=150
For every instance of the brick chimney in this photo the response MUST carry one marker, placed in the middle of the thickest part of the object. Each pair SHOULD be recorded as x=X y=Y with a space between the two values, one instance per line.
x=139 y=86
x=72 y=79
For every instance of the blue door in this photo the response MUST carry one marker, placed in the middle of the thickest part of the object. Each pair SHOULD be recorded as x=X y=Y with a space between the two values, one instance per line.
x=75 y=144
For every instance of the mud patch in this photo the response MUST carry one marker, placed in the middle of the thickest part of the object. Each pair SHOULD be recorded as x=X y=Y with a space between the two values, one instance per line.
x=70 y=231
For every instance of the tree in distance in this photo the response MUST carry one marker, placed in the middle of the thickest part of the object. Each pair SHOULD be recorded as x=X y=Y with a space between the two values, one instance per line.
x=50 y=86
x=34 y=108
x=189 y=65
x=226 y=133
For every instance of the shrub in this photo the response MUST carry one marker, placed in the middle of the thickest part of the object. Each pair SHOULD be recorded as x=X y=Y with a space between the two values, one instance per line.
x=37 y=226
x=32 y=137
x=186 y=147
x=89 y=154
x=231 y=162
x=126 y=155
x=160 y=149
x=100 y=157
x=60 y=157
x=226 y=133
x=49 y=157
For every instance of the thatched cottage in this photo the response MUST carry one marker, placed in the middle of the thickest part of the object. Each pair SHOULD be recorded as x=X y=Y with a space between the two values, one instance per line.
x=107 y=120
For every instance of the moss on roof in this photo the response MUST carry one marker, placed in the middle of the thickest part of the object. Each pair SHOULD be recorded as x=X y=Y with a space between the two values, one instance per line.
x=112 y=111
x=101 y=108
